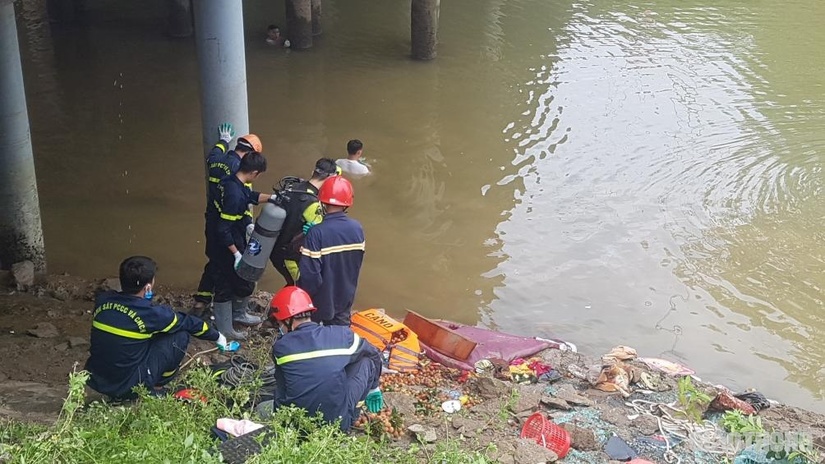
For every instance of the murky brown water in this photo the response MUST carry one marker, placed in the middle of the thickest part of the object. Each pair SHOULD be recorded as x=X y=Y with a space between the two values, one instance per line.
x=648 y=174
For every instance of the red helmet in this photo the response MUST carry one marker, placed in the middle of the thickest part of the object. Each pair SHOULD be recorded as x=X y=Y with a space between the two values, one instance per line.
x=288 y=302
x=336 y=191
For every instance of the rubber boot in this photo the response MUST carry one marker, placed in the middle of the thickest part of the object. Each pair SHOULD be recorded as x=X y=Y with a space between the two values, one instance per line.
x=240 y=314
x=223 y=321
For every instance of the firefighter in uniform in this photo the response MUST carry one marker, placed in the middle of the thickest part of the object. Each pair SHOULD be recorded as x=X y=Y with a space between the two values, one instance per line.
x=220 y=164
x=227 y=239
x=302 y=212
x=332 y=255
x=326 y=369
x=137 y=342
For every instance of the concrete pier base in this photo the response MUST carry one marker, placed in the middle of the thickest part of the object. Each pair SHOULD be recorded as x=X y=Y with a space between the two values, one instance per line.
x=21 y=233
x=316 y=17
x=424 y=28
x=299 y=23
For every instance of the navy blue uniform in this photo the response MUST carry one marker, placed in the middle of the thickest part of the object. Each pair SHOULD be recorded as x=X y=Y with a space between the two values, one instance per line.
x=327 y=369
x=331 y=262
x=220 y=164
x=230 y=229
x=137 y=342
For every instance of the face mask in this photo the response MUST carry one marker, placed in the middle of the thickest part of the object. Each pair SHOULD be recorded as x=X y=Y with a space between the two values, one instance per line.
x=149 y=294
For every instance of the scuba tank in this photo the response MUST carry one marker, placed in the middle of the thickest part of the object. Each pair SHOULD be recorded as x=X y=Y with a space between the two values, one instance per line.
x=267 y=228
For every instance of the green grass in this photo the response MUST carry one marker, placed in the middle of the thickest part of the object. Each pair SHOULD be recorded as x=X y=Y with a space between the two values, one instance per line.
x=165 y=430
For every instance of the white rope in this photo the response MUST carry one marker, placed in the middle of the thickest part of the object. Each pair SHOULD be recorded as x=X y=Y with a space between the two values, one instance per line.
x=705 y=436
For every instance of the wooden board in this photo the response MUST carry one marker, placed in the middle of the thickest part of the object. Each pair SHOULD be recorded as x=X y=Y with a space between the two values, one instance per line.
x=438 y=337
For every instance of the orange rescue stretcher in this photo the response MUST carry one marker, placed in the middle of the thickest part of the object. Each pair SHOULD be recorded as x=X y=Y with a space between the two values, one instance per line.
x=387 y=334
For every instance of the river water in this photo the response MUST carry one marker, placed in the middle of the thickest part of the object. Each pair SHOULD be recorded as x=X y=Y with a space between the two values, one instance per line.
x=606 y=172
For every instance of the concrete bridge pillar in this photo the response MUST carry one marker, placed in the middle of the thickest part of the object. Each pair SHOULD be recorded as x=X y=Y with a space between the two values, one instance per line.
x=179 y=18
x=21 y=233
x=424 y=28
x=316 y=17
x=299 y=23
x=219 y=44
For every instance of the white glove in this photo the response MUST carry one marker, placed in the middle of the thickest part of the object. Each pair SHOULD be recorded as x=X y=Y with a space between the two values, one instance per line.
x=286 y=44
x=221 y=342
x=238 y=257
x=226 y=132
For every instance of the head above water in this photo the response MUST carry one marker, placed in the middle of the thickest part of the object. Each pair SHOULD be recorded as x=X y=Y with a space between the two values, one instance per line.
x=354 y=149
x=137 y=275
x=273 y=31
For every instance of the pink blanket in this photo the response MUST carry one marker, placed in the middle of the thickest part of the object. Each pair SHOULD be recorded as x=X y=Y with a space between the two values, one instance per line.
x=490 y=344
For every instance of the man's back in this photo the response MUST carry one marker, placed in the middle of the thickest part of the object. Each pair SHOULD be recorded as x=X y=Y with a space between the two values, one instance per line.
x=332 y=256
x=311 y=368
x=352 y=167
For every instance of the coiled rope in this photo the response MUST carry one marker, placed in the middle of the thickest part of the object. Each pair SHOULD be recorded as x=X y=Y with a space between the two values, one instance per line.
x=705 y=436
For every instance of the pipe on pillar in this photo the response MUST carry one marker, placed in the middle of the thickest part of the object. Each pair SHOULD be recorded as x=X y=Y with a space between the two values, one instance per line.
x=299 y=23
x=316 y=17
x=424 y=28
x=179 y=18
x=21 y=233
x=219 y=44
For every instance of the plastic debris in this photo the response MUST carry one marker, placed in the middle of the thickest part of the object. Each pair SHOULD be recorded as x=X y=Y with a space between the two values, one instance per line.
x=618 y=449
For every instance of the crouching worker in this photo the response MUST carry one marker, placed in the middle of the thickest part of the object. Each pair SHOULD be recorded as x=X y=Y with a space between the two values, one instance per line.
x=137 y=342
x=327 y=369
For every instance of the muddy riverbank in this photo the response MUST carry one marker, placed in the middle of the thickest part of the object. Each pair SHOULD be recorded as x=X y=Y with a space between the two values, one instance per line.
x=44 y=333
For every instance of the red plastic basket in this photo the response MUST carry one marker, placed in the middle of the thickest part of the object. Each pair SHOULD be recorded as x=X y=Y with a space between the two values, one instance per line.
x=546 y=434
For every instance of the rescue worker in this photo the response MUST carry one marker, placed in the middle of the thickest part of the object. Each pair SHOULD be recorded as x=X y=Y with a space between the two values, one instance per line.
x=326 y=369
x=137 y=342
x=332 y=255
x=220 y=164
x=302 y=212
x=226 y=241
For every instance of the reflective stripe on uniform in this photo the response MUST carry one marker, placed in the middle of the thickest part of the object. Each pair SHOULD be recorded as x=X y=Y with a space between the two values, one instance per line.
x=205 y=328
x=209 y=294
x=171 y=324
x=231 y=217
x=333 y=249
x=120 y=332
x=248 y=213
x=221 y=146
x=320 y=353
x=214 y=180
x=169 y=373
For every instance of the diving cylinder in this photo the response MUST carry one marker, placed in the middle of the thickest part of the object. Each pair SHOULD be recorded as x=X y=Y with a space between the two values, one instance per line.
x=256 y=255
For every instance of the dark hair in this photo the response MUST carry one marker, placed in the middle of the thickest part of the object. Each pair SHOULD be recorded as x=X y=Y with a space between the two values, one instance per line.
x=272 y=26
x=353 y=146
x=253 y=161
x=324 y=168
x=135 y=273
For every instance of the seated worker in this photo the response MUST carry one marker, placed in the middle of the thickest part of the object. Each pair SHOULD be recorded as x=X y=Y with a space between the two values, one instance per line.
x=327 y=369
x=302 y=212
x=137 y=342
x=353 y=164
x=274 y=37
